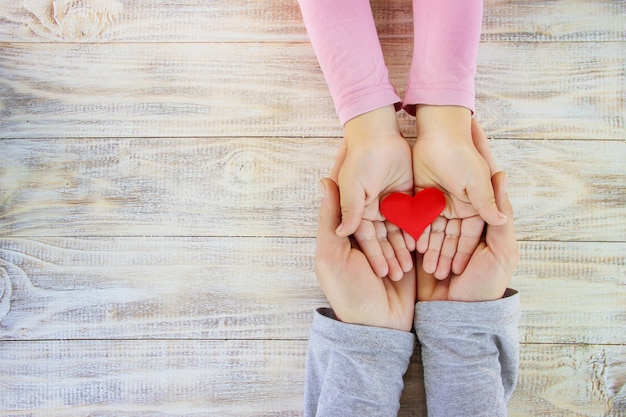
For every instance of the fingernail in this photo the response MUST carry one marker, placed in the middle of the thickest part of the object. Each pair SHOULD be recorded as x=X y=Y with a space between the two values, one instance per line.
x=505 y=183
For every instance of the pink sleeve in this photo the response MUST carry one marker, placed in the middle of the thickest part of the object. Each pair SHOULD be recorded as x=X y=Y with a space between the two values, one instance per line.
x=445 y=50
x=344 y=37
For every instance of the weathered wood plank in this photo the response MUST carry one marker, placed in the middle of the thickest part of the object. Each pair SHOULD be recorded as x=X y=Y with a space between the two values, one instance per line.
x=261 y=288
x=570 y=380
x=561 y=190
x=561 y=20
x=526 y=90
x=548 y=93
x=158 y=288
x=280 y=21
x=157 y=378
x=581 y=286
x=158 y=243
x=258 y=187
x=264 y=378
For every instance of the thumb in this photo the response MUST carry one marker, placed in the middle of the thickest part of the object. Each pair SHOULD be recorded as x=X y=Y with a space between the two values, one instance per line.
x=502 y=237
x=352 y=199
x=481 y=196
x=481 y=143
x=329 y=216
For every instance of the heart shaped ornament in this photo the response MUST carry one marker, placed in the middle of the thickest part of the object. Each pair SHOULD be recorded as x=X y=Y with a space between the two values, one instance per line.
x=413 y=214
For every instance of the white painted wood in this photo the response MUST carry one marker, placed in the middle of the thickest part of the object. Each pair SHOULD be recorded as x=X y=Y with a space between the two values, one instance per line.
x=263 y=378
x=554 y=90
x=561 y=190
x=279 y=20
x=262 y=288
x=158 y=193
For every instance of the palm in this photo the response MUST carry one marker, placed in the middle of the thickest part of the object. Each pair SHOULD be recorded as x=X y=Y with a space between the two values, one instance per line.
x=365 y=173
x=454 y=236
x=450 y=171
x=388 y=302
x=355 y=292
x=474 y=284
x=490 y=266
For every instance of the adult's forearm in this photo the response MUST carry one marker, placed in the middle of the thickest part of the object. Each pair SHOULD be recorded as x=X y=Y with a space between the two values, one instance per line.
x=470 y=354
x=354 y=370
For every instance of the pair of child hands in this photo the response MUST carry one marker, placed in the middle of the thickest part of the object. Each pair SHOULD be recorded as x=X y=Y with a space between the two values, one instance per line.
x=451 y=153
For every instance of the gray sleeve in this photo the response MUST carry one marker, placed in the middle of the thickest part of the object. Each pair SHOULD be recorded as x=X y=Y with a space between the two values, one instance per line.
x=470 y=353
x=354 y=370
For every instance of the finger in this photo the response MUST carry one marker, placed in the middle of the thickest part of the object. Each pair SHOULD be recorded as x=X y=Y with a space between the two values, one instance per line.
x=448 y=248
x=352 y=198
x=435 y=241
x=481 y=196
x=398 y=243
x=395 y=272
x=471 y=231
x=365 y=235
x=352 y=203
x=329 y=218
x=501 y=239
x=421 y=245
x=481 y=143
x=409 y=241
x=426 y=282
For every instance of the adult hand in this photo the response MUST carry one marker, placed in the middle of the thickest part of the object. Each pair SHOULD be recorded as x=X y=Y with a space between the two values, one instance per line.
x=447 y=244
x=490 y=267
x=356 y=294
x=374 y=160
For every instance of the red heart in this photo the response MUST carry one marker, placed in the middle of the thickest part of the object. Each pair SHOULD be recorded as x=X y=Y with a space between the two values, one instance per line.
x=413 y=214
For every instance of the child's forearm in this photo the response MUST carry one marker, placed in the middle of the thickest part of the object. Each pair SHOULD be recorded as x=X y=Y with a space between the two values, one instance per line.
x=446 y=38
x=344 y=37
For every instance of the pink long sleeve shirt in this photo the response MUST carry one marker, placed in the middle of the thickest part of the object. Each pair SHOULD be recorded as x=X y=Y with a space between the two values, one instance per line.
x=446 y=38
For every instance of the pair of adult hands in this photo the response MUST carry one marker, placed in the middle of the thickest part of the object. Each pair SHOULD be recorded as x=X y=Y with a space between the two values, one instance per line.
x=358 y=294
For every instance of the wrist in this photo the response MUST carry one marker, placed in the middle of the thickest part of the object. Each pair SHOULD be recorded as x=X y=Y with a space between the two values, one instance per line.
x=403 y=324
x=443 y=122
x=377 y=124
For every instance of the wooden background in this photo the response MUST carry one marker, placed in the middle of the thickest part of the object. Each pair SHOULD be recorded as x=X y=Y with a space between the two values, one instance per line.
x=158 y=199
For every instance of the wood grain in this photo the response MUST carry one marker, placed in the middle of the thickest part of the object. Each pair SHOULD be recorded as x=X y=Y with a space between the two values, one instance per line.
x=561 y=190
x=263 y=378
x=261 y=288
x=158 y=194
x=280 y=21
x=525 y=90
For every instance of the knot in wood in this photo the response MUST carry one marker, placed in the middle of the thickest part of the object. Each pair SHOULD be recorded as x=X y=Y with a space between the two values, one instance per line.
x=242 y=167
x=84 y=20
x=6 y=289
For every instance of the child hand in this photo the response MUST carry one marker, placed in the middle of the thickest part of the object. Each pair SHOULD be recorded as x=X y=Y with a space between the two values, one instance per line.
x=373 y=161
x=452 y=153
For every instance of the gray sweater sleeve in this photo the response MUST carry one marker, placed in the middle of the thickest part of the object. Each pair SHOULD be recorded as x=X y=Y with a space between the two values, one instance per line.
x=354 y=370
x=470 y=353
